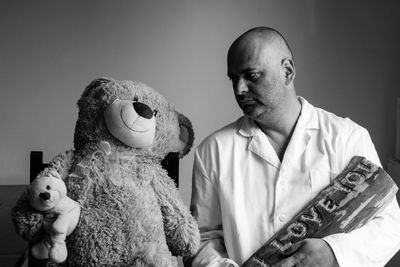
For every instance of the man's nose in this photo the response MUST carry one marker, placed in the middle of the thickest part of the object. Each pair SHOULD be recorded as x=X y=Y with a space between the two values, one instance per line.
x=241 y=87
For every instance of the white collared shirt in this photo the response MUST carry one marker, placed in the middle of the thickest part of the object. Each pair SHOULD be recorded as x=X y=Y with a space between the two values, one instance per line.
x=242 y=193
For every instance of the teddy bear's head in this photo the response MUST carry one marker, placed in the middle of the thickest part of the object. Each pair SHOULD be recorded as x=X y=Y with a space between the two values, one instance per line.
x=131 y=116
x=46 y=191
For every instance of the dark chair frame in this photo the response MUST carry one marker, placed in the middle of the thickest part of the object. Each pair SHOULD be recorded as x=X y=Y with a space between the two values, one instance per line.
x=170 y=163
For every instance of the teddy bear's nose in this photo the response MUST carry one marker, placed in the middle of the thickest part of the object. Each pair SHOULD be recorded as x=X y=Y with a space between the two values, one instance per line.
x=45 y=195
x=143 y=110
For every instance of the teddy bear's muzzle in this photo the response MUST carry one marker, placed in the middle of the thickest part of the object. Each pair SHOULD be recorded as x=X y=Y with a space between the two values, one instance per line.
x=131 y=122
x=45 y=196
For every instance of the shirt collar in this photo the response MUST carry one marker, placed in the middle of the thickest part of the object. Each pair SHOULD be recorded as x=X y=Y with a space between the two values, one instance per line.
x=308 y=118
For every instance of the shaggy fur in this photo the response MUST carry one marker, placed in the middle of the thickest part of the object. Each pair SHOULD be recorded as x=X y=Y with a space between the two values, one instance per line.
x=132 y=214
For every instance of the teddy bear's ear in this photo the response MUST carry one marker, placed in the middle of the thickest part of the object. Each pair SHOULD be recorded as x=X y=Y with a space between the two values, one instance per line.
x=186 y=135
x=95 y=84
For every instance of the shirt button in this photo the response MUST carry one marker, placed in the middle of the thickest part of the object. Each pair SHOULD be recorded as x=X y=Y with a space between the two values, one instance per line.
x=282 y=182
x=282 y=218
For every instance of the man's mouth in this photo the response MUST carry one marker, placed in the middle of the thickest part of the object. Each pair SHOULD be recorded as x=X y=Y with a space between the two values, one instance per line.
x=247 y=102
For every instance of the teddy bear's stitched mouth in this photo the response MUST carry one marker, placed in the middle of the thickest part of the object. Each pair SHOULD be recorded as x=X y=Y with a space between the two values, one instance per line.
x=130 y=128
x=46 y=203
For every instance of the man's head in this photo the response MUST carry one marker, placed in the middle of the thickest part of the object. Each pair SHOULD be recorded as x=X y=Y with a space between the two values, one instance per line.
x=261 y=67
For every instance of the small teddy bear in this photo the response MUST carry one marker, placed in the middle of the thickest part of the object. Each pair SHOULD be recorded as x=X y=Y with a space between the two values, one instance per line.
x=48 y=194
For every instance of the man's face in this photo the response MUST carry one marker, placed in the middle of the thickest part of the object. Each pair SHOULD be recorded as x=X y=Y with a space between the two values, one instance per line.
x=256 y=78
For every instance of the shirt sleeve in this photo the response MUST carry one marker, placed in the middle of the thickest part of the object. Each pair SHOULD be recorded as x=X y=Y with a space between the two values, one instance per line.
x=206 y=209
x=376 y=242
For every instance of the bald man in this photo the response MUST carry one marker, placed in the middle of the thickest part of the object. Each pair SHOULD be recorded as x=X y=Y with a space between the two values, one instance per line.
x=253 y=175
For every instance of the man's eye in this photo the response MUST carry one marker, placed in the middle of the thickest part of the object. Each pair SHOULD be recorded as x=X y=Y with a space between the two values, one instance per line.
x=253 y=76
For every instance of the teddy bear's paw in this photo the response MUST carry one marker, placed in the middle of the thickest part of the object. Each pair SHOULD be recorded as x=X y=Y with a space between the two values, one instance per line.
x=40 y=251
x=58 y=253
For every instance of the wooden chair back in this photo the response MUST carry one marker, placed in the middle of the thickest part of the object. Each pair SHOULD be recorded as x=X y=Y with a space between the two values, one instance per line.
x=170 y=163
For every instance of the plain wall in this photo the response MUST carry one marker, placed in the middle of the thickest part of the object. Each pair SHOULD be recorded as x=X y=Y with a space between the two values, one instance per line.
x=346 y=55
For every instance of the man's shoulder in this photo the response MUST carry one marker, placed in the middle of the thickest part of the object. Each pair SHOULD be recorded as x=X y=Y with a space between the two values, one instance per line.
x=223 y=134
x=331 y=121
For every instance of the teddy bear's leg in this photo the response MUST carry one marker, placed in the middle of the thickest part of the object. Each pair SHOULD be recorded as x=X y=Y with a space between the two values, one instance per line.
x=182 y=232
x=41 y=249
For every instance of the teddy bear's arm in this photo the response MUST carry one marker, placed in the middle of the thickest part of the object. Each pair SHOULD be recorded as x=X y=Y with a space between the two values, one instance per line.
x=180 y=227
x=28 y=221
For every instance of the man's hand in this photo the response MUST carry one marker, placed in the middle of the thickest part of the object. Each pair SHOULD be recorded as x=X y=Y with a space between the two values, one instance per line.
x=309 y=252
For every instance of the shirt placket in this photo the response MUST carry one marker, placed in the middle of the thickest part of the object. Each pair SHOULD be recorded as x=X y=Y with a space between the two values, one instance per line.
x=281 y=195
x=284 y=189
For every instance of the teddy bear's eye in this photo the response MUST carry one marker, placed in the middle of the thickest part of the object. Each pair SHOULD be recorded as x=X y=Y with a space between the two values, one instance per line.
x=48 y=187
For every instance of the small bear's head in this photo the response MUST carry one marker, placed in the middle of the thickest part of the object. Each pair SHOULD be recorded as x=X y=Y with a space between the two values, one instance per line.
x=130 y=116
x=46 y=191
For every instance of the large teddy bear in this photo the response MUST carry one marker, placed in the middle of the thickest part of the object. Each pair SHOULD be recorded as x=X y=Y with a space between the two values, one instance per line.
x=131 y=211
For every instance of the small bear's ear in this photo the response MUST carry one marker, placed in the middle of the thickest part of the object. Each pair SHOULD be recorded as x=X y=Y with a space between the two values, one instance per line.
x=186 y=135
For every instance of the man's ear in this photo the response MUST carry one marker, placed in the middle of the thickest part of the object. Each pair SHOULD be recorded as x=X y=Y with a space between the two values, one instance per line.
x=288 y=70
